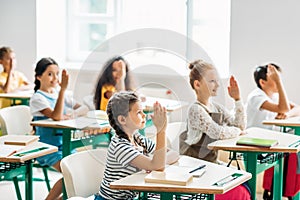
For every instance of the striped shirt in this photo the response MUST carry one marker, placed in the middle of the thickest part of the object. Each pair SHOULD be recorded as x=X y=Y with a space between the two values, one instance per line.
x=119 y=155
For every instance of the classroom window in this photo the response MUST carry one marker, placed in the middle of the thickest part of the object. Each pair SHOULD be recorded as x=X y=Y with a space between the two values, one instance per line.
x=91 y=22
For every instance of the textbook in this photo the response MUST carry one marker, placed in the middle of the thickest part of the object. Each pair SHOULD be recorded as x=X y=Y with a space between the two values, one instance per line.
x=22 y=140
x=256 y=142
x=172 y=175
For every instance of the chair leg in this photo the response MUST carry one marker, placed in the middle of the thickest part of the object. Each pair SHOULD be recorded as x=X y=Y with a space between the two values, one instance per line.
x=17 y=188
x=45 y=171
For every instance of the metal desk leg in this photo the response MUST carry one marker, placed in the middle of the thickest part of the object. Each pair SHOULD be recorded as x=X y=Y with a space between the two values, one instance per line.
x=66 y=142
x=278 y=180
x=28 y=181
x=297 y=130
x=251 y=167
x=211 y=197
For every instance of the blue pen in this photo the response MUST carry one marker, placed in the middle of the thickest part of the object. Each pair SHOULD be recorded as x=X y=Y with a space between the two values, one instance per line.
x=200 y=167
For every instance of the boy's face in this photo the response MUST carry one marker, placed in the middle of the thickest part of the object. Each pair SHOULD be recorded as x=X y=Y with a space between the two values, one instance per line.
x=9 y=61
x=269 y=85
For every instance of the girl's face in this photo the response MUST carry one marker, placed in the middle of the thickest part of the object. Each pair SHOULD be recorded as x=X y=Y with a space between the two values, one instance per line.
x=7 y=58
x=136 y=118
x=119 y=70
x=209 y=83
x=49 y=79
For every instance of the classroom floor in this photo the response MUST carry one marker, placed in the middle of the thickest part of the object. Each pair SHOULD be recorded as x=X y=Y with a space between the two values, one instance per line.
x=39 y=188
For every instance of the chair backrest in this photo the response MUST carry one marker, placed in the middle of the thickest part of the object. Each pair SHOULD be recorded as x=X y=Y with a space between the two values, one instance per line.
x=89 y=102
x=174 y=129
x=15 y=120
x=83 y=172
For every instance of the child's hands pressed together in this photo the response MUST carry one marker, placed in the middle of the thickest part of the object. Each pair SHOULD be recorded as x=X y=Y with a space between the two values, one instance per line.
x=64 y=80
x=233 y=89
x=159 y=117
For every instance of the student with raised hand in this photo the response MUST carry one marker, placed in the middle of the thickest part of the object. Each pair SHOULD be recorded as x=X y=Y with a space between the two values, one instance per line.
x=128 y=150
x=11 y=80
x=113 y=77
x=268 y=101
x=50 y=101
x=209 y=121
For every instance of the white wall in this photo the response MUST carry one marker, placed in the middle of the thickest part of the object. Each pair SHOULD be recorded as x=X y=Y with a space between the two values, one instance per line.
x=18 y=31
x=261 y=31
x=266 y=31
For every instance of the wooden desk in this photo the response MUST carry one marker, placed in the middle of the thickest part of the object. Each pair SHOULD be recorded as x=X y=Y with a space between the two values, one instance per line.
x=16 y=164
x=23 y=96
x=293 y=123
x=286 y=145
x=204 y=184
x=69 y=127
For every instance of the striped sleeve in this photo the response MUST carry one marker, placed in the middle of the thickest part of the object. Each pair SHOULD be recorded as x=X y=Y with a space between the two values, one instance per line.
x=124 y=153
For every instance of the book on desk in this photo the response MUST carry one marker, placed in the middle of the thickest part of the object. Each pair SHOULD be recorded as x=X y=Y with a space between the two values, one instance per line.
x=15 y=143
x=22 y=140
x=259 y=142
x=175 y=175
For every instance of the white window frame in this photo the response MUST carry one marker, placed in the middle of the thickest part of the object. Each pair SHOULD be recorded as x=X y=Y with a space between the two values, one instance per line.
x=74 y=54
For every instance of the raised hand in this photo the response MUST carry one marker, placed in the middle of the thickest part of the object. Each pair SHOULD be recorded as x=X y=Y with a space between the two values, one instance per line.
x=64 y=80
x=233 y=89
x=273 y=74
x=159 y=117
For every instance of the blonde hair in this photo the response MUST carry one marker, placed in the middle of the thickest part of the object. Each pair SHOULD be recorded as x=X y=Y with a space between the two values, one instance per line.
x=198 y=69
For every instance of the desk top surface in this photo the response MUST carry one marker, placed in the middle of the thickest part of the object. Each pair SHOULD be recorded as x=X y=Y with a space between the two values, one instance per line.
x=77 y=123
x=293 y=121
x=170 y=104
x=26 y=94
x=46 y=149
x=287 y=143
x=204 y=184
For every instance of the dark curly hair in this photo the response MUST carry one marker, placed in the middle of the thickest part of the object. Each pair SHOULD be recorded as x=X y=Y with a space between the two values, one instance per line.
x=120 y=104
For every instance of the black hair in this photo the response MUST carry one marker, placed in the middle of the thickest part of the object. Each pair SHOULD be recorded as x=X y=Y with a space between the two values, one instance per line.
x=120 y=104
x=261 y=73
x=106 y=78
x=40 y=68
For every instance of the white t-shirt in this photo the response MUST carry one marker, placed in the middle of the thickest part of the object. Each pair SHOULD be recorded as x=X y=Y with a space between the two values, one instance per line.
x=39 y=102
x=255 y=115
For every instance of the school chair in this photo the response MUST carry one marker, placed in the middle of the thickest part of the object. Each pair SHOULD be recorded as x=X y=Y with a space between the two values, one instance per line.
x=89 y=102
x=15 y=120
x=83 y=172
x=174 y=129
